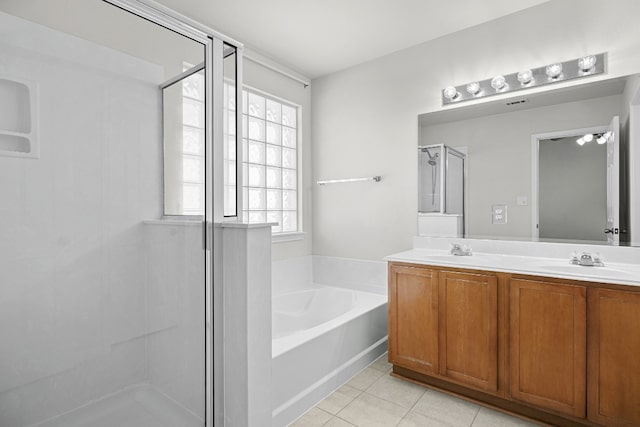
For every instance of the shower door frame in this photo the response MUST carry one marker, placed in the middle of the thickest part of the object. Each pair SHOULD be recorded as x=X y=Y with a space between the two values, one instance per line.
x=213 y=42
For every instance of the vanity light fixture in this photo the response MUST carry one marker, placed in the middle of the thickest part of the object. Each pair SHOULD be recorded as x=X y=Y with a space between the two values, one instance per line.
x=586 y=63
x=558 y=72
x=473 y=88
x=554 y=71
x=450 y=93
x=499 y=83
x=525 y=77
x=601 y=139
x=581 y=141
x=588 y=137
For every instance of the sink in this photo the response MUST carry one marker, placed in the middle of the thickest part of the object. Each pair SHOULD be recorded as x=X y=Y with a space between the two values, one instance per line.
x=470 y=259
x=583 y=271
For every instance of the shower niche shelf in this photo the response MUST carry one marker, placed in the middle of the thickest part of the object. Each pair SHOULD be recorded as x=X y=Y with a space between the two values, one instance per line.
x=18 y=130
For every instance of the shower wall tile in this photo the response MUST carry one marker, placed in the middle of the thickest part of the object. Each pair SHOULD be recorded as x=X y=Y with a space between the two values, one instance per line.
x=73 y=288
x=175 y=312
x=121 y=366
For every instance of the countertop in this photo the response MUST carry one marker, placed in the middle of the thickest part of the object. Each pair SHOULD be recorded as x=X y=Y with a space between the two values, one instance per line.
x=614 y=273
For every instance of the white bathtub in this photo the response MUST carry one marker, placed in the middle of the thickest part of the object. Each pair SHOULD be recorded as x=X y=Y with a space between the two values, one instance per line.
x=322 y=336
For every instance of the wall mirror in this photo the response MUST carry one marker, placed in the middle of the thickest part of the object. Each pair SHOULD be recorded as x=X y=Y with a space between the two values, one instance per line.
x=551 y=166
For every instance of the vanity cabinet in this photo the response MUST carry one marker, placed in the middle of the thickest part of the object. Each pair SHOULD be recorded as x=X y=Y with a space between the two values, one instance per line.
x=560 y=351
x=413 y=318
x=614 y=357
x=468 y=331
x=444 y=324
x=547 y=345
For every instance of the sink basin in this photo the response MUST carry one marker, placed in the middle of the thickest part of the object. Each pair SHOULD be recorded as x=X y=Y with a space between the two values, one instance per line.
x=469 y=259
x=448 y=257
x=583 y=271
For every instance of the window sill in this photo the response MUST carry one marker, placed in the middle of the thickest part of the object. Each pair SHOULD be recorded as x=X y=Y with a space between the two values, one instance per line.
x=175 y=222
x=288 y=237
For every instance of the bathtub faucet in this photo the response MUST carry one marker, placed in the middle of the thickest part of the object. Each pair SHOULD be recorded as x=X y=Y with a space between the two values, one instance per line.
x=458 y=250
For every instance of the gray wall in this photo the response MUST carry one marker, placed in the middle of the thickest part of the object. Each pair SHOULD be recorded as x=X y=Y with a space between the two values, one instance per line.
x=573 y=190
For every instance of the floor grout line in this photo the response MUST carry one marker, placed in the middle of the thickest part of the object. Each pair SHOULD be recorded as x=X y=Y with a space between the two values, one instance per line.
x=474 y=417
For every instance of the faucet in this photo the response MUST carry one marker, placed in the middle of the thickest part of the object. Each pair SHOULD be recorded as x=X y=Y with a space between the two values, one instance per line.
x=458 y=250
x=587 y=260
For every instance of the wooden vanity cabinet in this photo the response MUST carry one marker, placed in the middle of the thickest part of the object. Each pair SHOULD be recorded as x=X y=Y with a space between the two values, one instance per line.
x=561 y=351
x=444 y=324
x=614 y=357
x=547 y=345
x=413 y=318
x=468 y=332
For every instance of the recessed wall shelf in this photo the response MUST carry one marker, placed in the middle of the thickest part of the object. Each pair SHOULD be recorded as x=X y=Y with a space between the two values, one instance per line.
x=18 y=119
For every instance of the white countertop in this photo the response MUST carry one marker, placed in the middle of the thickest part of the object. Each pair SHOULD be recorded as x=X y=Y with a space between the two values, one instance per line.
x=614 y=273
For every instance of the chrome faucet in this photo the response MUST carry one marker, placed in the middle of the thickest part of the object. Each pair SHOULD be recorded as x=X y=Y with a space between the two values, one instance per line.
x=458 y=250
x=587 y=260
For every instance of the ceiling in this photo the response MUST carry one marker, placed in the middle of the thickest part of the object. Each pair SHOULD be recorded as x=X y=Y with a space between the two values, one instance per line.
x=319 y=37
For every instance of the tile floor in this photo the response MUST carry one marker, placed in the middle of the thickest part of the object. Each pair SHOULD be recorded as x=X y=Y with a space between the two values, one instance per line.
x=374 y=398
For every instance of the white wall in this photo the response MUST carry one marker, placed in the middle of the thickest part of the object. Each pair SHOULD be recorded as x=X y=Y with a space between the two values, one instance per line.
x=364 y=118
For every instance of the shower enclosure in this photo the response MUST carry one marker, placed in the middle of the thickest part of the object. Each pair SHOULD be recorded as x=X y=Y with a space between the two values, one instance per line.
x=441 y=191
x=106 y=144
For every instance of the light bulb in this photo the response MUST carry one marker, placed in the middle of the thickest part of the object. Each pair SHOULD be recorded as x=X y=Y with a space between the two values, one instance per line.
x=588 y=137
x=601 y=139
x=473 y=88
x=498 y=82
x=450 y=92
x=580 y=141
x=525 y=77
x=554 y=70
x=586 y=63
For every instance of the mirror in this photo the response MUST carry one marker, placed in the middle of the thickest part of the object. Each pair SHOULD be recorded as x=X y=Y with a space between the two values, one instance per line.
x=522 y=151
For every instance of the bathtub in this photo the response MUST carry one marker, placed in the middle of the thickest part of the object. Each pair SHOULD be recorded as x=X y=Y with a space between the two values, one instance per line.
x=322 y=336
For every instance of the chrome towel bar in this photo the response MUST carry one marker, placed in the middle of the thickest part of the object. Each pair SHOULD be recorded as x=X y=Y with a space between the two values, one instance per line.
x=376 y=178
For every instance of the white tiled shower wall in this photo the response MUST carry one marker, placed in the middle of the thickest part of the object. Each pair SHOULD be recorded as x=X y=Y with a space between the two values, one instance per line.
x=91 y=300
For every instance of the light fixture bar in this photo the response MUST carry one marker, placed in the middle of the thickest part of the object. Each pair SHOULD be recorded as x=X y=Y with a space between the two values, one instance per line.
x=547 y=74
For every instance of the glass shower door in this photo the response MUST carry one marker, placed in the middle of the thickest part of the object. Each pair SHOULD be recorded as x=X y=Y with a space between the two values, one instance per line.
x=102 y=296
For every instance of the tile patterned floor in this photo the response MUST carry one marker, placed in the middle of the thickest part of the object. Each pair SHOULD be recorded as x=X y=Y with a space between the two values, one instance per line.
x=373 y=398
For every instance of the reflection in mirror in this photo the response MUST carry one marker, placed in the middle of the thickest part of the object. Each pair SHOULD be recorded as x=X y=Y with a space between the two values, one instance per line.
x=441 y=183
x=502 y=166
x=572 y=189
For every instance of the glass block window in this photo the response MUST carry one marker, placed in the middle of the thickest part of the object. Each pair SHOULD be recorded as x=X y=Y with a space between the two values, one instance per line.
x=269 y=161
x=193 y=131
x=229 y=130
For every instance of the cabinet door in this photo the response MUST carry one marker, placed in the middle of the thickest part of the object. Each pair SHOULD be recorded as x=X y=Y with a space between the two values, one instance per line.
x=547 y=345
x=469 y=329
x=413 y=318
x=614 y=357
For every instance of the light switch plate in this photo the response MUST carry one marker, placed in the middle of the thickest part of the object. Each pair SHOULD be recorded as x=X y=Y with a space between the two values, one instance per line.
x=499 y=214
